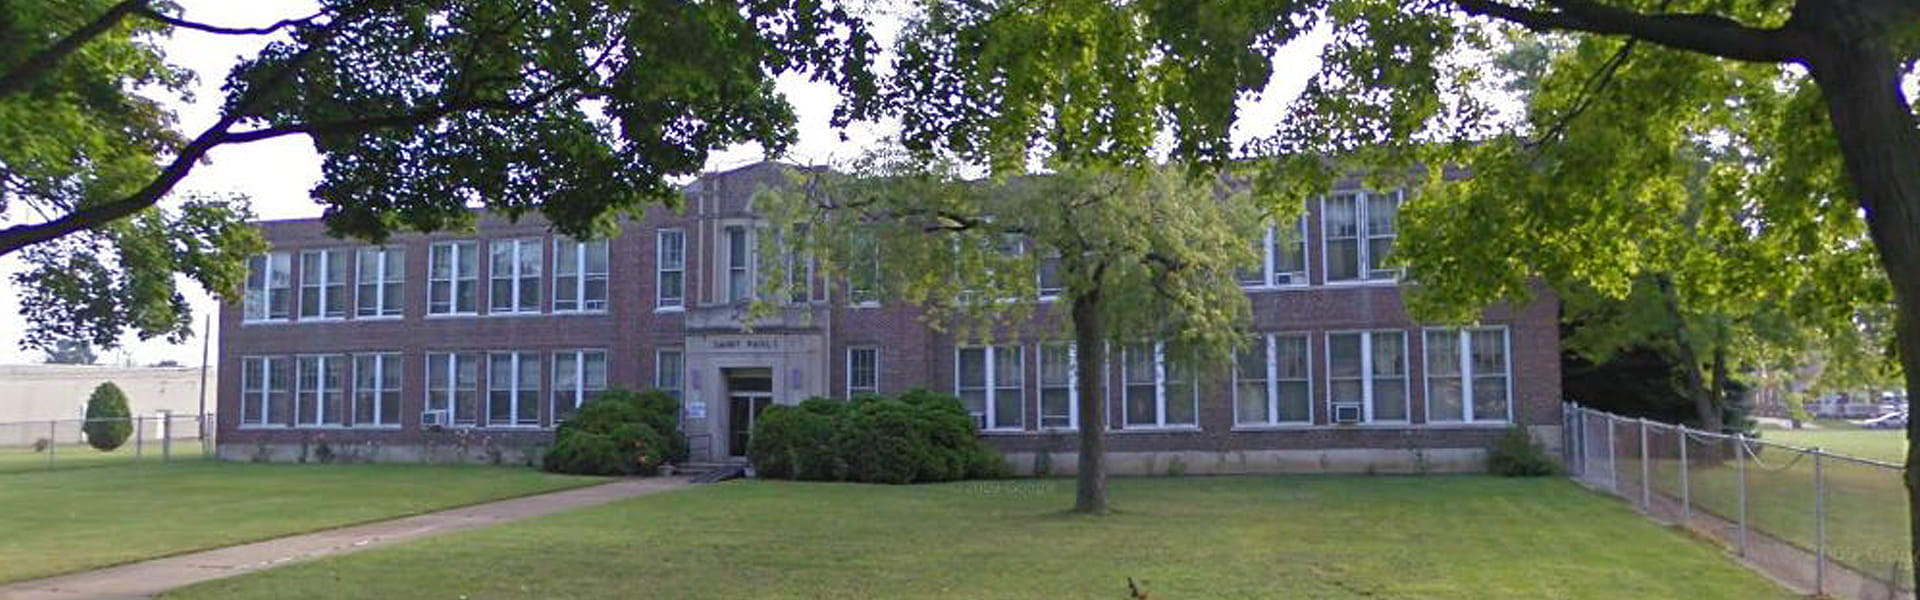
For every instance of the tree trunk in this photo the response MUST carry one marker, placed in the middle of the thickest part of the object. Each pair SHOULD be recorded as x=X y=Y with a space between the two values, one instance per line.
x=1090 y=356
x=1874 y=123
x=1719 y=389
x=1705 y=403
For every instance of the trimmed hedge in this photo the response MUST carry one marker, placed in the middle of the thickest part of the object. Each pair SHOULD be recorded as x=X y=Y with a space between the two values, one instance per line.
x=109 y=421
x=619 y=433
x=1516 y=454
x=918 y=437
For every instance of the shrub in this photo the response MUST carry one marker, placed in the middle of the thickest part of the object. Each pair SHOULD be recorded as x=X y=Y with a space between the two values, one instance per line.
x=612 y=435
x=661 y=412
x=1516 y=454
x=916 y=437
x=796 y=442
x=109 y=421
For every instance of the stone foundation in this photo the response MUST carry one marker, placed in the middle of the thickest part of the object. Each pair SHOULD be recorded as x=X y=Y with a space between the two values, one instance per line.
x=1250 y=462
x=373 y=452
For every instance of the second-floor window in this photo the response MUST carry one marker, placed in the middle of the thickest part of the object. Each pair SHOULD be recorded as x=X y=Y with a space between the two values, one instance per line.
x=1360 y=229
x=514 y=273
x=863 y=371
x=382 y=277
x=269 y=293
x=1369 y=368
x=323 y=284
x=580 y=276
x=739 y=261
x=451 y=278
x=1288 y=253
x=513 y=389
x=671 y=260
x=863 y=272
x=990 y=383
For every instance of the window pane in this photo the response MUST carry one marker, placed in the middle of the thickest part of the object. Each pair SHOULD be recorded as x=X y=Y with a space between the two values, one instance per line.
x=1443 y=399
x=1389 y=400
x=1443 y=353
x=1343 y=260
x=1055 y=365
x=1489 y=351
x=1490 y=399
x=1343 y=355
x=1182 y=401
x=973 y=368
x=1056 y=408
x=1291 y=356
x=1290 y=254
x=1294 y=402
x=1250 y=402
x=1389 y=354
x=1140 y=404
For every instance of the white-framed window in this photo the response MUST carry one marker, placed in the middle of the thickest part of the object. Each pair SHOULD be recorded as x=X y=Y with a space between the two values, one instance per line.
x=669 y=369
x=514 y=276
x=323 y=284
x=990 y=382
x=1272 y=385
x=452 y=277
x=737 y=242
x=863 y=271
x=269 y=295
x=1156 y=392
x=578 y=376
x=1059 y=386
x=863 y=370
x=670 y=255
x=320 y=390
x=579 y=276
x=1469 y=375
x=1051 y=279
x=1287 y=253
x=1359 y=229
x=513 y=389
x=266 y=391
x=1369 y=368
x=453 y=385
x=382 y=279
x=376 y=390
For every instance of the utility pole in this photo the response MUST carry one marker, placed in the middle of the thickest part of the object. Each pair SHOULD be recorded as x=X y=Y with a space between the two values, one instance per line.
x=206 y=341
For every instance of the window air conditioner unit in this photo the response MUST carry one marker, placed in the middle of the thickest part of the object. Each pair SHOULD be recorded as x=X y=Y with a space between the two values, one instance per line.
x=979 y=422
x=433 y=419
x=1347 y=413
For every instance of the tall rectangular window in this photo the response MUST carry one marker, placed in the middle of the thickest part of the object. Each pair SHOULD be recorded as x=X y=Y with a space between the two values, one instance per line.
x=323 y=284
x=452 y=277
x=1289 y=248
x=513 y=389
x=578 y=376
x=321 y=390
x=266 y=390
x=1369 y=368
x=671 y=257
x=1255 y=274
x=1360 y=229
x=1051 y=280
x=453 y=385
x=1059 y=396
x=991 y=386
x=668 y=369
x=863 y=371
x=580 y=276
x=1293 y=380
x=514 y=276
x=1468 y=375
x=1252 y=381
x=382 y=276
x=376 y=390
x=863 y=270
x=269 y=295
x=1157 y=392
x=739 y=261
x=1271 y=382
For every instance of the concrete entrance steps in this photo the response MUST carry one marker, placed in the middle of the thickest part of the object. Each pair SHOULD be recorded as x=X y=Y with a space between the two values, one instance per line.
x=712 y=472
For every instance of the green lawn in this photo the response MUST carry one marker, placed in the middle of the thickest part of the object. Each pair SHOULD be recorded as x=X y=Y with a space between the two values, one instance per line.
x=1888 y=445
x=15 y=459
x=67 y=520
x=1278 y=537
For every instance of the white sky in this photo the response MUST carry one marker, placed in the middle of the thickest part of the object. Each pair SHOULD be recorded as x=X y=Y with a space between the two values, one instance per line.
x=278 y=174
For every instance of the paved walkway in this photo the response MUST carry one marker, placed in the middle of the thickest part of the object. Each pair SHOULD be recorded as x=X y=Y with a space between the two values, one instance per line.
x=148 y=578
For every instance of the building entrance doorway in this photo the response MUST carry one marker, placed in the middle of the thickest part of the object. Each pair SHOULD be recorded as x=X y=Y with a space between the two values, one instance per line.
x=749 y=391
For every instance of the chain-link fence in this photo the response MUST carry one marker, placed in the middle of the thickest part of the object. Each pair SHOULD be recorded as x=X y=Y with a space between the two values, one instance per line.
x=65 y=443
x=1830 y=523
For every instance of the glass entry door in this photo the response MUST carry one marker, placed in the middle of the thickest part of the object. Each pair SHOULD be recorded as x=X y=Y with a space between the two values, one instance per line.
x=749 y=391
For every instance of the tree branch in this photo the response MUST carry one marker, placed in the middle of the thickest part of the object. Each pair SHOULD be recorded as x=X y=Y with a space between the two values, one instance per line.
x=34 y=66
x=148 y=12
x=1698 y=32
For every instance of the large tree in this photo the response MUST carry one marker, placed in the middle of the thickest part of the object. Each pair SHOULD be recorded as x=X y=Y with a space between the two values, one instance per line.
x=582 y=111
x=1130 y=256
x=1808 y=93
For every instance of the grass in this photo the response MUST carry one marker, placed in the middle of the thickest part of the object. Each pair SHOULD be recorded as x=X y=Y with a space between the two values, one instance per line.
x=1888 y=445
x=68 y=520
x=1293 y=537
x=16 y=459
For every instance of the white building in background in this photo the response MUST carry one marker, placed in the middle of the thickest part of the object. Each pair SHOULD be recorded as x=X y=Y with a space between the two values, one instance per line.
x=45 y=392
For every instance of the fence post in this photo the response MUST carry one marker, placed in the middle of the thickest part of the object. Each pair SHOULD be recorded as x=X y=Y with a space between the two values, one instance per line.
x=1740 y=456
x=1686 y=485
x=53 y=441
x=1646 y=479
x=166 y=437
x=1613 y=458
x=139 y=435
x=1819 y=525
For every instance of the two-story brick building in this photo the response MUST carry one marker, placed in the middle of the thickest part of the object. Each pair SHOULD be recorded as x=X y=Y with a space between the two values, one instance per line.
x=474 y=345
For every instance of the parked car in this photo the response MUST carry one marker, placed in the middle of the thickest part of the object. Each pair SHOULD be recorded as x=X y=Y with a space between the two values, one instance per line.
x=1893 y=420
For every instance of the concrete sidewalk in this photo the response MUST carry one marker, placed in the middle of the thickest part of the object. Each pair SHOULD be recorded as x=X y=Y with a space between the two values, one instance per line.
x=148 y=578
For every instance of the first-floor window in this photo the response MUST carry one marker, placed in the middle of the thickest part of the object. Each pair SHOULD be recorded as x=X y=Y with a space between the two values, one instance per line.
x=863 y=371
x=667 y=369
x=1157 y=392
x=578 y=376
x=1369 y=368
x=266 y=385
x=321 y=390
x=376 y=389
x=453 y=385
x=513 y=389
x=1059 y=396
x=990 y=385
x=1468 y=375
x=1271 y=383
